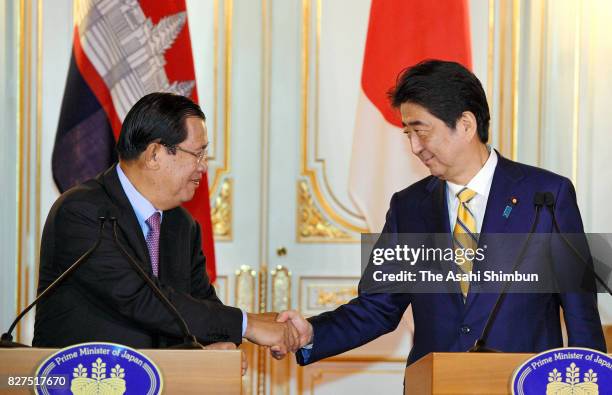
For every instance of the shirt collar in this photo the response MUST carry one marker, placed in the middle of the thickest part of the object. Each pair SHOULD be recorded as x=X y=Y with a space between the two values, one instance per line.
x=481 y=183
x=142 y=207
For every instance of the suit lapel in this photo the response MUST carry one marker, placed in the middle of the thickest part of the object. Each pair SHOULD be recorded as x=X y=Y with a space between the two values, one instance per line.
x=127 y=221
x=505 y=185
x=434 y=209
x=170 y=240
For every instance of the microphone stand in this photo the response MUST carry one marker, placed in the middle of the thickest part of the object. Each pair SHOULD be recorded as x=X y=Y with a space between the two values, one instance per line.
x=189 y=340
x=479 y=345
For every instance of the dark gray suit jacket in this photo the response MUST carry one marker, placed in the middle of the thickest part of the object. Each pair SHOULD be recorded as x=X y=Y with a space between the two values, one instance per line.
x=105 y=299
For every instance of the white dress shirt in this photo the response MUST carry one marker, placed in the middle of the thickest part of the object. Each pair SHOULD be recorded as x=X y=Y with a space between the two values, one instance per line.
x=142 y=207
x=481 y=184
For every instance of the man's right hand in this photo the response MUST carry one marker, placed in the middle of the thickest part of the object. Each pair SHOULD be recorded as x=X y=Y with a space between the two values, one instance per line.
x=303 y=327
x=263 y=330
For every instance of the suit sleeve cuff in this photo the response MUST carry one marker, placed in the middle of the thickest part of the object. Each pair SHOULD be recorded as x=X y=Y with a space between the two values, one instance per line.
x=245 y=321
x=305 y=351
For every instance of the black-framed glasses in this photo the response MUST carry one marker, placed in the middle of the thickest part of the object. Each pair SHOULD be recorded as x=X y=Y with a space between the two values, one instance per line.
x=200 y=156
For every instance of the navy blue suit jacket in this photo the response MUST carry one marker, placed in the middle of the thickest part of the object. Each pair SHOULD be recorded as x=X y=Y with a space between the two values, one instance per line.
x=526 y=322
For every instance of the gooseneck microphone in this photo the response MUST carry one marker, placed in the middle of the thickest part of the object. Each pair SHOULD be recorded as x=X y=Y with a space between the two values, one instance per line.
x=549 y=202
x=7 y=338
x=189 y=340
x=539 y=200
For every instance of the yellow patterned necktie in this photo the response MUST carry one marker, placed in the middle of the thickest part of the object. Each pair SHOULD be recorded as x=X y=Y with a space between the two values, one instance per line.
x=464 y=233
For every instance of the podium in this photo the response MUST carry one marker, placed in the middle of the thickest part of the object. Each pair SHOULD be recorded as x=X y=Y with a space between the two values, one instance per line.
x=183 y=371
x=462 y=373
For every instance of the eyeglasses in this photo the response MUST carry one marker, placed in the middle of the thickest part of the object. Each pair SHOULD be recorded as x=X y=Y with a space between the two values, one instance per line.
x=200 y=156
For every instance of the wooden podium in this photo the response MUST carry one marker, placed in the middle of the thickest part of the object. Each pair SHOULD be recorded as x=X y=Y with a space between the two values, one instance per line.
x=462 y=373
x=183 y=371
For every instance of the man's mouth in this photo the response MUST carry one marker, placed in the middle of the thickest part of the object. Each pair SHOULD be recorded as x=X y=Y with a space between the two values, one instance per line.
x=426 y=159
x=196 y=181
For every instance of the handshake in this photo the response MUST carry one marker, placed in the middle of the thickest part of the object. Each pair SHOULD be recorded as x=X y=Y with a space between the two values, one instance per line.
x=284 y=332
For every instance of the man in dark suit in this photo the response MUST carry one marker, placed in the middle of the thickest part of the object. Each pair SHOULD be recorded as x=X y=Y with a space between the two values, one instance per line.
x=472 y=190
x=162 y=152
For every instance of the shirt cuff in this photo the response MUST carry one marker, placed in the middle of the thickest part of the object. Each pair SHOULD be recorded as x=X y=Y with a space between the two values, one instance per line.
x=245 y=321
x=306 y=351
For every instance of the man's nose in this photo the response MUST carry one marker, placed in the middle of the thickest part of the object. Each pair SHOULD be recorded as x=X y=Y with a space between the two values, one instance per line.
x=415 y=144
x=203 y=165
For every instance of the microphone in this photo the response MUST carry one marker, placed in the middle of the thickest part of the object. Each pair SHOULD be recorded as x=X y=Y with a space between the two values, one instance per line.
x=539 y=200
x=549 y=202
x=6 y=341
x=189 y=340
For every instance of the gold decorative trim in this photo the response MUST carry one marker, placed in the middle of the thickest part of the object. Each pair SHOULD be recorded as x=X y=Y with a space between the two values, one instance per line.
x=280 y=371
x=502 y=75
x=542 y=87
x=21 y=136
x=265 y=131
x=576 y=101
x=225 y=169
x=263 y=288
x=262 y=352
x=327 y=299
x=305 y=170
x=221 y=212
x=510 y=31
x=266 y=23
x=281 y=288
x=39 y=74
x=316 y=125
x=321 y=281
x=28 y=116
x=27 y=285
x=312 y=225
x=244 y=292
x=491 y=56
x=516 y=47
x=215 y=77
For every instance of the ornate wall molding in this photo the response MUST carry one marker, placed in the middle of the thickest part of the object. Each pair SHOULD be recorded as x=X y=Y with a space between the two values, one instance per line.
x=221 y=211
x=245 y=288
x=312 y=224
x=224 y=168
x=281 y=288
x=346 y=219
x=319 y=294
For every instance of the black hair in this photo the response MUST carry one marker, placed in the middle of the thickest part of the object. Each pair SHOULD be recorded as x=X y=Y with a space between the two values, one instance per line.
x=157 y=117
x=446 y=90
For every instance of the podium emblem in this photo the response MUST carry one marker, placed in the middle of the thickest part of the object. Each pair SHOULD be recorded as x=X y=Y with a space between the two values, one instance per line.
x=98 y=368
x=572 y=383
x=564 y=371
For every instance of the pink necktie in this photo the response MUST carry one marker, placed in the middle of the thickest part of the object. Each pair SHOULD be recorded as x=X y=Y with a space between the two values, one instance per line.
x=152 y=239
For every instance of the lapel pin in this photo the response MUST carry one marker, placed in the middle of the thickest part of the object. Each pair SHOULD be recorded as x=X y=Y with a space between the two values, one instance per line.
x=508 y=209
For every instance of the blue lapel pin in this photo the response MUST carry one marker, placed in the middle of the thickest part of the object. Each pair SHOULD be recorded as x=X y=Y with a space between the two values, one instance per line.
x=508 y=208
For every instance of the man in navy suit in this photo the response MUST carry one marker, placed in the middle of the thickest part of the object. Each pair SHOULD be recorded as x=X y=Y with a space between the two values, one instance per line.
x=446 y=118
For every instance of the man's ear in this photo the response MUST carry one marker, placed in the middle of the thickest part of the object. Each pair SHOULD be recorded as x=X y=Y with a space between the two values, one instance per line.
x=151 y=156
x=468 y=126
